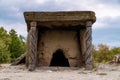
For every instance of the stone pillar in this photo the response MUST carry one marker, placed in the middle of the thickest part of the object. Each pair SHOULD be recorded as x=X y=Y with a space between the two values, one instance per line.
x=83 y=44
x=33 y=36
x=80 y=55
x=88 y=55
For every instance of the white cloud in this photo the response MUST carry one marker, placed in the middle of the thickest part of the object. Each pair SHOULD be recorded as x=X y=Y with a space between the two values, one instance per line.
x=102 y=10
x=107 y=13
x=111 y=11
x=99 y=24
x=40 y=1
x=18 y=27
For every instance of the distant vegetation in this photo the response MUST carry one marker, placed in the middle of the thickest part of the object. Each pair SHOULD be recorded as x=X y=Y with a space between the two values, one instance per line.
x=13 y=45
x=103 y=53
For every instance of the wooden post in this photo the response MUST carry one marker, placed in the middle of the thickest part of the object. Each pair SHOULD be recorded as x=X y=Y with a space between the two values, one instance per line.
x=33 y=35
x=88 y=56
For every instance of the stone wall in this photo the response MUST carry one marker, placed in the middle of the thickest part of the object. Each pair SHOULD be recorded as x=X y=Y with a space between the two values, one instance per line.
x=52 y=40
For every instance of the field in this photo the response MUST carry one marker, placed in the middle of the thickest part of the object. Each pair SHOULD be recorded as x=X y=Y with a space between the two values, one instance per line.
x=101 y=72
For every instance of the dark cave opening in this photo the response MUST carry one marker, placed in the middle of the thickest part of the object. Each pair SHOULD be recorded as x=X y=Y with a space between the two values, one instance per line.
x=58 y=59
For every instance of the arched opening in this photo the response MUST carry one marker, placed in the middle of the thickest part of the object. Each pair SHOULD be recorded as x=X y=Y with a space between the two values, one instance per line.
x=58 y=59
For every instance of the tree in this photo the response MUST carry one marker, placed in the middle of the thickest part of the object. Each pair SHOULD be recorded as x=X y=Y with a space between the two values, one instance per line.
x=5 y=40
x=4 y=53
x=94 y=52
x=22 y=44
x=103 y=53
x=115 y=50
x=12 y=45
x=17 y=46
x=4 y=36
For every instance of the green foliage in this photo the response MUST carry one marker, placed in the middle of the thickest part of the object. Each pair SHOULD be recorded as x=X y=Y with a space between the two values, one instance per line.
x=5 y=40
x=12 y=45
x=103 y=53
x=4 y=53
x=17 y=46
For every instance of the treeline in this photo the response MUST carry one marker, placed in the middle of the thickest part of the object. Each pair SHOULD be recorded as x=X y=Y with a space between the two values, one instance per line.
x=102 y=53
x=12 y=45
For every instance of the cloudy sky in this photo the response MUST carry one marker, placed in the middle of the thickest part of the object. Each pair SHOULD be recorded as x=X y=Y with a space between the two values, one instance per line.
x=106 y=30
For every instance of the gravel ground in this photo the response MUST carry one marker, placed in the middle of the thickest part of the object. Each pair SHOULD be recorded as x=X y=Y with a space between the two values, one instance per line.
x=102 y=72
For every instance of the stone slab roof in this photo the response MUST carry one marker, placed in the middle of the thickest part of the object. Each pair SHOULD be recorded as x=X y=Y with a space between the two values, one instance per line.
x=66 y=19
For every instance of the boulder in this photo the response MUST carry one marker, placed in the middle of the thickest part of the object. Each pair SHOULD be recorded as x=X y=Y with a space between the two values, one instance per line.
x=116 y=58
x=20 y=60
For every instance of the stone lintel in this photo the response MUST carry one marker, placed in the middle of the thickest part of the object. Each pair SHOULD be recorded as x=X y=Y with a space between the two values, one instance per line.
x=58 y=19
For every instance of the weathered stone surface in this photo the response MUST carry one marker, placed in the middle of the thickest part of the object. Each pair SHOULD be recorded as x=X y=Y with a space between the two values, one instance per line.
x=70 y=19
x=52 y=40
x=33 y=39
x=20 y=60
x=66 y=33
x=60 y=16
x=116 y=58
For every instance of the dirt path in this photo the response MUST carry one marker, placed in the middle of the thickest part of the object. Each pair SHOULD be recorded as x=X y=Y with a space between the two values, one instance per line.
x=103 y=72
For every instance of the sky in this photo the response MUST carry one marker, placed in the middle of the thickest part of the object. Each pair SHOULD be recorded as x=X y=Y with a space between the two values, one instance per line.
x=106 y=29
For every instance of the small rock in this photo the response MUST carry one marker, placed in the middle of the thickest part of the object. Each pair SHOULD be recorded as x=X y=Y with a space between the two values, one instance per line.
x=49 y=71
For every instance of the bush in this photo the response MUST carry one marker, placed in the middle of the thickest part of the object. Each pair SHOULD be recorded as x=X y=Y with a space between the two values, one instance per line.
x=103 y=53
x=11 y=45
